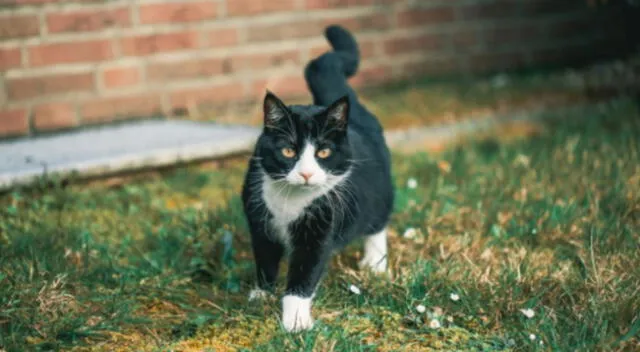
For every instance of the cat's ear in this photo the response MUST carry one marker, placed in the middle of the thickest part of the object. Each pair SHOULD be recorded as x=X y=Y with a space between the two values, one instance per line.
x=338 y=112
x=274 y=109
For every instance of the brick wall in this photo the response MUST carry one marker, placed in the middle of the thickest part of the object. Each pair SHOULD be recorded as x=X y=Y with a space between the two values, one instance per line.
x=65 y=63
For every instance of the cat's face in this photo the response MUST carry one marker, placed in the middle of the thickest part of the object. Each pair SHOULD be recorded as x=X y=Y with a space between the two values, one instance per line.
x=304 y=146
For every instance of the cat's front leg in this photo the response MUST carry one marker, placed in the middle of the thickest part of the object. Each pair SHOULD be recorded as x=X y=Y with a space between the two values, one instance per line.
x=267 y=254
x=306 y=266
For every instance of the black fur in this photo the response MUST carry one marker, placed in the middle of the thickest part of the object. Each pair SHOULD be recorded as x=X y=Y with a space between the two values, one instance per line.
x=359 y=206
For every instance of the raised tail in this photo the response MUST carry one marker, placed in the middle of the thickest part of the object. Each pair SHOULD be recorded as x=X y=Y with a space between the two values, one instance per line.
x=345 y=46
x=327 y=74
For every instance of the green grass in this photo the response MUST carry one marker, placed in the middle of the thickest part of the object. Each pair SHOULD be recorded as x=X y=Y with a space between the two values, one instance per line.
x=550 y=223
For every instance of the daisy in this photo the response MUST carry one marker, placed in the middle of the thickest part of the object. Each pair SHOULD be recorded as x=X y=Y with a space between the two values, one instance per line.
x=528 y=312
x=410 y=233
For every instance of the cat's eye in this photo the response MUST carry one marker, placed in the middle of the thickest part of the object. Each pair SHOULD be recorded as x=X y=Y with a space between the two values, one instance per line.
x=288 y=153
x=323 y=153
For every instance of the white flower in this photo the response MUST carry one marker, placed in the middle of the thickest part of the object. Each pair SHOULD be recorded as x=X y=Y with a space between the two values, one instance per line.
x=412 y=183
x=532 y=337
x=420 y=308
x=354 y=289
x=434 y=324
x=541 y=343
x=410 y=233
x=529 y=313
x=454 y=297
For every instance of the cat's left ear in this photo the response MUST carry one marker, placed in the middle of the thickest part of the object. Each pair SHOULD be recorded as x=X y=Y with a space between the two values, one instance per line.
x=338 y=112
x=274 y=110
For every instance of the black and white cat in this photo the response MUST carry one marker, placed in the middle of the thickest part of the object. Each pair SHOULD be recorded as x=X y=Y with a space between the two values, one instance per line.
x=320 y=177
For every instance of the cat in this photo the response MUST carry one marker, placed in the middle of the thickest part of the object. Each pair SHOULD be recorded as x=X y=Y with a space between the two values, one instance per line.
x=319 y=178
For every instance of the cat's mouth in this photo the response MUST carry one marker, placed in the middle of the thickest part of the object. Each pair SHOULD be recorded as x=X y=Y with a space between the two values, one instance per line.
x=304 y=186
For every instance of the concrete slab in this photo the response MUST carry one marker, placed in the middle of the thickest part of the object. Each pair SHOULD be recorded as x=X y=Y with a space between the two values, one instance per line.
x=144 y=144
x=119 y=148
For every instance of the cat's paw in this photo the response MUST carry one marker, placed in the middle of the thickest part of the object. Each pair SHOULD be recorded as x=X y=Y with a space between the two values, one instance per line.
x=377 y=264
x=375 y=253
x=296 y=313
x=257 y=294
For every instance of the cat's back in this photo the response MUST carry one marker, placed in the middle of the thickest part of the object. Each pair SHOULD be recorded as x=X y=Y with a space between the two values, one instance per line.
x=367 y=138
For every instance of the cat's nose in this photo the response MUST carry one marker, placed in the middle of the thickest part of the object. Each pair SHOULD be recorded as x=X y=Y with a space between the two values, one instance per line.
x=306 y=175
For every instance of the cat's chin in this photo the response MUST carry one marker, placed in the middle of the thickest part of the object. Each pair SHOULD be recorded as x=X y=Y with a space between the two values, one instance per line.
x=304 y=186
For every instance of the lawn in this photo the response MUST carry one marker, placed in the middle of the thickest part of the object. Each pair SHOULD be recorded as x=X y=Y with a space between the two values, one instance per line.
x=522 y=245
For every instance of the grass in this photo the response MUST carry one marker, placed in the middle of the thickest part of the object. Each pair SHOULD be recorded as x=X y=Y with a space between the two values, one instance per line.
x=550 y=223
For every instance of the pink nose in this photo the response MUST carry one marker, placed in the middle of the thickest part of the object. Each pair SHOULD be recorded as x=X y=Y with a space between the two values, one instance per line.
x=306 y=175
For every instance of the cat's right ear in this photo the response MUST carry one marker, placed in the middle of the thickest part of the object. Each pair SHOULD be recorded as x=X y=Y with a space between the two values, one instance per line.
x=274 y=110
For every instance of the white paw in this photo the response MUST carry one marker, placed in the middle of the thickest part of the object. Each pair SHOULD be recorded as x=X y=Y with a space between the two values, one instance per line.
x=296 y=313
x=376 y=264
x=257 y=294
x=375 y=253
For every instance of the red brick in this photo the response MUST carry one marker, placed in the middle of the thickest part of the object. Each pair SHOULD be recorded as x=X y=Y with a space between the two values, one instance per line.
x=54 y=116
x=185 y=11
x=465 y=39
x=122 y=76
x=421 y=43
x=158 y=43
x=215 y=94
x=77 y=51
x=316 y=51
x=222 y=37
x=372 y=75
x=285 y=31
x=19 y=26
x=10 y=58
x=425 y=17
x=359 y=23
x=328 y=4
x=14 y=122
x=262 y=61
x=31 y=87
x=491 y=10
x=186 y=69
x=25 y=2
x=429 y=66
x=253 y=7
x=116 y=108
x=88 y=20
x=282 y=86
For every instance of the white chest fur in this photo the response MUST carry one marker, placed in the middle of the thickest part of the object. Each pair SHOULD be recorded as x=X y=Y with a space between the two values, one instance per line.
x=287 y=203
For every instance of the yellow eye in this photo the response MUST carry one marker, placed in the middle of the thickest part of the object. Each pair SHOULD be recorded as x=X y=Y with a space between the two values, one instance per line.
x=323 y=153
x=288 y=153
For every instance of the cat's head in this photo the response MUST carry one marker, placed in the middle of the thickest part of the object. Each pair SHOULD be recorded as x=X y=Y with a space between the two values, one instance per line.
x=304 y=145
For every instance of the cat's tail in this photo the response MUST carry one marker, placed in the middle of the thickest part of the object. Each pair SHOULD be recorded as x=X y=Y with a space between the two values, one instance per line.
x=327 y=74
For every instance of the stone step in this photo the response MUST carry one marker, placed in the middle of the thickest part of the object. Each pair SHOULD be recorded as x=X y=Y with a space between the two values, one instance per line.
x=118 y=148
